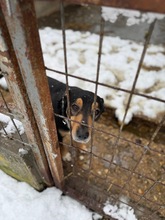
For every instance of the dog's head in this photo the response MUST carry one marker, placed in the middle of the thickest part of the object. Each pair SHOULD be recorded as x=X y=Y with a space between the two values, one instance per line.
x=82 y=112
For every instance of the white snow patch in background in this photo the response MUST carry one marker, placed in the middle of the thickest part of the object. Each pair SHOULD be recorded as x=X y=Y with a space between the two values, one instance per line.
x=3 y=83
x=10 y=128
x=22 y=151
x=120 y=212
x=119 y=63
x=133 y=16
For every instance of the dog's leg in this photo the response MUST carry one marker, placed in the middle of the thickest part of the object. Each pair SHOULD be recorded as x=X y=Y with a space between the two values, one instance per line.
x=82 y=147
x=66 y=156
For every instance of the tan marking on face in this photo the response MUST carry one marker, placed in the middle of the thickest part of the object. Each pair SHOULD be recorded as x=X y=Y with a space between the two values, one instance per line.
x=79 y=102
x=90 y=125
x=75 y=123
x=63 y=133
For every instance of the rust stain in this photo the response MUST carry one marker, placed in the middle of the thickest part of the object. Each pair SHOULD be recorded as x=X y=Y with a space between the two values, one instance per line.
x=17 y=86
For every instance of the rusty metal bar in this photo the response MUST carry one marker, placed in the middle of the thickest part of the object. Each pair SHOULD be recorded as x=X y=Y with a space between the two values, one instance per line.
x=102 y=23
x=146 y=192
x=8 y=63
x=62 y=15
x=21 y=23
x=113 y=135
x=108 y=86
x=143 y=154
x=150 y=31
x=151 y=5
x=129 y=100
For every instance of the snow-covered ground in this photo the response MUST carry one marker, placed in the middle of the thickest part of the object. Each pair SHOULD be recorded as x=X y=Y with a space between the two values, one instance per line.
x=133 y=16
x=119 y=64
x=19 y=201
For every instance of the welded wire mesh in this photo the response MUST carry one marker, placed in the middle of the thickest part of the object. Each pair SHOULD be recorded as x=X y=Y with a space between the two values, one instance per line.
x=100 y=176
x=13 y=131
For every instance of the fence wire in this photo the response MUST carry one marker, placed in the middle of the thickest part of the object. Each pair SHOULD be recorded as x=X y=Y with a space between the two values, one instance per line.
x=144 y=148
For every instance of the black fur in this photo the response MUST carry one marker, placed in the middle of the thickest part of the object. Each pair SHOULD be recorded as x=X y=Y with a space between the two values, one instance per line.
x=59 y=101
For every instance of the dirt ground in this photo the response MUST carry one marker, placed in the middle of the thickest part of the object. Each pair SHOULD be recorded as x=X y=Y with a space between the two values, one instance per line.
x=124 y=167
x=127 y=167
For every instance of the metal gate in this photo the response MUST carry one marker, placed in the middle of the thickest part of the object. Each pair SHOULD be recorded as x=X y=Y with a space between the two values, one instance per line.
x=97 y=178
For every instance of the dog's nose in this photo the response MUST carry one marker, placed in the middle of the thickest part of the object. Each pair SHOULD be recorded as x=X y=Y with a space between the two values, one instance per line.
x=83 y=133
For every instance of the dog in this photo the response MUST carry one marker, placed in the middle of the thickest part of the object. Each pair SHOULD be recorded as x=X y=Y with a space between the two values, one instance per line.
x=81 y=112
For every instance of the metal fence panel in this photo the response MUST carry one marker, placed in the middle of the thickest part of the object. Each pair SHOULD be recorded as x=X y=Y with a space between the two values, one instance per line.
x=21 y=23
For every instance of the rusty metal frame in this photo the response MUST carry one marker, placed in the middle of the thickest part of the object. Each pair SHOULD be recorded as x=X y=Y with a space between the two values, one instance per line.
x=22 y=59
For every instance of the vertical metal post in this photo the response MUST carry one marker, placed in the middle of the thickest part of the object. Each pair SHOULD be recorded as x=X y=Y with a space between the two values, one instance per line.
x=21 y=23
x=9 y=65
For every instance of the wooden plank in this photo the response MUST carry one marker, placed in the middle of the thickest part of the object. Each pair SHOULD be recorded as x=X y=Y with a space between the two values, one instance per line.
x=17 y=160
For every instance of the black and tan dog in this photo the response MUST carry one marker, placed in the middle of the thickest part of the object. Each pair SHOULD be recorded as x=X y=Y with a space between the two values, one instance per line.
x=82 y=108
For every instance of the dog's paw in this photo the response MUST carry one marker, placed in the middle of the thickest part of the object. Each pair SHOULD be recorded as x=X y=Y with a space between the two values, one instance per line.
x=67 y=157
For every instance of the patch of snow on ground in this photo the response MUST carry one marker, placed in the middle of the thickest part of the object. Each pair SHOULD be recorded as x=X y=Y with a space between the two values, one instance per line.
x=133 y=16
x=120 y=212
x=119 y=63
x=3 y=83
x=10 y=127
x=19 y=201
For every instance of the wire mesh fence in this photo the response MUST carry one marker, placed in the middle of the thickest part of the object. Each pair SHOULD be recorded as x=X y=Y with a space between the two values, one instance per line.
x=101 y=175
x=122 y=165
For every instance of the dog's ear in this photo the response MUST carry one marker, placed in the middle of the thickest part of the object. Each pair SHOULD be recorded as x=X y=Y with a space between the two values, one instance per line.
x=100 y=108
x=101 y=105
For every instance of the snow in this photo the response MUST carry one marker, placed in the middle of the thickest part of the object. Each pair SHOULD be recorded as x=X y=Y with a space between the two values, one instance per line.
x=3 y=83
x=19 y=201
x=121 y=212
x=9 y=126
x=133 y=16
x=119 y=62
x=22 y=151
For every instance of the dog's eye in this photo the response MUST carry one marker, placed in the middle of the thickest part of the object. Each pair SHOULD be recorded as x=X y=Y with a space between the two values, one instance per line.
x=97 y=112
x=75 y=108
